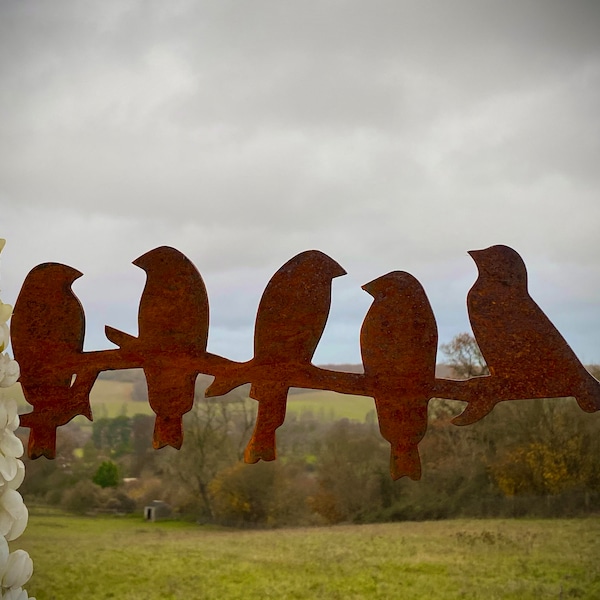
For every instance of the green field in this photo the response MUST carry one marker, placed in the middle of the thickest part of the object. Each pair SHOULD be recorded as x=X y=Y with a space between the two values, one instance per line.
x=113 y=398
x=330 y=406
x=108 y=399
x=83 y=557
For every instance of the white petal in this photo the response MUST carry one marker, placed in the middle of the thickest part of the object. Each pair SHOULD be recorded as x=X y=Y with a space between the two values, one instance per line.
x=12 y=502
x=12 y=410
x=3 y=555
x=3 y=410
x=11 y=445
x=4 y=336
x=8 y=467
x=17 y=480
x=18 y=570
x=12 y=372
x=18 y=526
x=5 y=312
x=15 y=594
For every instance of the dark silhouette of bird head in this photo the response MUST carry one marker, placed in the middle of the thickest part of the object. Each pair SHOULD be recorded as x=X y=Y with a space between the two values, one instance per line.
x=159 y=257
x=501 y=264
x=50 y=276
x=312 y=264
x=394 y=283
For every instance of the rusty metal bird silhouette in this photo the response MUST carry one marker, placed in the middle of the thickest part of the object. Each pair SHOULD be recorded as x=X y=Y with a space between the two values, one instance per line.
x=290 y=320
x=173 y=331
x=526 y=355
x=48 y=328
x=398 y=342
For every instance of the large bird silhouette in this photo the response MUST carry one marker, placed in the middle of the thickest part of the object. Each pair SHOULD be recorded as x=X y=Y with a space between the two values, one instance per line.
x=48 y=328
x=398 y=342
x=526 y=355
x=172 y=332
x=290 y=320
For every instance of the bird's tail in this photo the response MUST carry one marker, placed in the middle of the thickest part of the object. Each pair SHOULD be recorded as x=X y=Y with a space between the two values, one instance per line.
x=120 y=338
x=222 y=386
x=272 y=402
x=171 y=395
x=405 y=460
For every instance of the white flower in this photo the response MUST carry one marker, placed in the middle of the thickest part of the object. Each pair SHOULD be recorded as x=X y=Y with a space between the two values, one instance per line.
x=13 y=514
x=4 y=336
x=3 y=555
x=9 y=415
x=19 y=569
x=17 y=480
x=10 y=444
x=10 y=369
x=5 y=312
x=9 y=469
x=16 y=594
x=12 y=472
x=11 y=447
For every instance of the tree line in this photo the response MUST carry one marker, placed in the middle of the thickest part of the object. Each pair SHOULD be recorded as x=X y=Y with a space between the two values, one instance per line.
x=531 y=457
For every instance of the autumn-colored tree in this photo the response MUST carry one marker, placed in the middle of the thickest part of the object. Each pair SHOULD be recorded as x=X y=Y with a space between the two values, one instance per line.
x=352 y=473
x=215 y=433
x=464 y=356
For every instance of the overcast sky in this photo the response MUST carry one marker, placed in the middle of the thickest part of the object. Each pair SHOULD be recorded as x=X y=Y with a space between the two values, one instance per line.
x=388 y=134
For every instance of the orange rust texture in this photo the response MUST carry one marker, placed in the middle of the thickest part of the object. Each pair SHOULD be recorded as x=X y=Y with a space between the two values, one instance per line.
x=526 y=355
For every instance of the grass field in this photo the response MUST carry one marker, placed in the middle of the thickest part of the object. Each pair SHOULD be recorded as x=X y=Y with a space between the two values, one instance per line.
x=330 y=406
x=126 y=558
x=113 y=398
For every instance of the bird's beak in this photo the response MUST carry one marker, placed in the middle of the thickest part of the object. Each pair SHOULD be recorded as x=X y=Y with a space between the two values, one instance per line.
x=75 y=274
x=140 y=260
x=338 y=271
x=368 y=287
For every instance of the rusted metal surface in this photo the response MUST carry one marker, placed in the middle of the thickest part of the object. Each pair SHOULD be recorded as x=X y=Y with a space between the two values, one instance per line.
x=398 y=342
x=526 y=355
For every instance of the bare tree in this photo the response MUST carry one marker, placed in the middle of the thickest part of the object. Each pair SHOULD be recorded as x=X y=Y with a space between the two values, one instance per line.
x=215 y=433
x=464 y=356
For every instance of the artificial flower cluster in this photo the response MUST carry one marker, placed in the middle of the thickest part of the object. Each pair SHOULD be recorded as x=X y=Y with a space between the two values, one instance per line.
x=15 y=567
x=9 y=368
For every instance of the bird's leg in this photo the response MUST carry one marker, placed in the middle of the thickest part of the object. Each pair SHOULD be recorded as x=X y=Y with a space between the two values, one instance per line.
x=405 y=460
x=42 y=435
x=168 y=431
x=80 y=389
x=171 y=395
x=272 y=401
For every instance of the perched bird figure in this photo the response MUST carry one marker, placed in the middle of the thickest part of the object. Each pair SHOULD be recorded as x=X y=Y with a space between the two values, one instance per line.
x=291 y=317
x=48 y=328
x=526 y=355
x=398 y=342
x=172 y=333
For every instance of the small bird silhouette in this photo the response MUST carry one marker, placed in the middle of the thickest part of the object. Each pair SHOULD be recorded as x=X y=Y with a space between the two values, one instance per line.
x=173 y=331
x=526 y=355
x=290 y=320
x=48 y=328
x=398 y=342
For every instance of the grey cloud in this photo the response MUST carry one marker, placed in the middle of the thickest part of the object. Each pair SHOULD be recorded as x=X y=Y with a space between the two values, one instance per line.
x=391 y=135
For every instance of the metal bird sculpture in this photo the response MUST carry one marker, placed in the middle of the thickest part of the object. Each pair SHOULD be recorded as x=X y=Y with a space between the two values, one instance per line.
x=526 y=355
x=290 y=320
x=173 y=334
x=398 y=342
x=48 y=328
